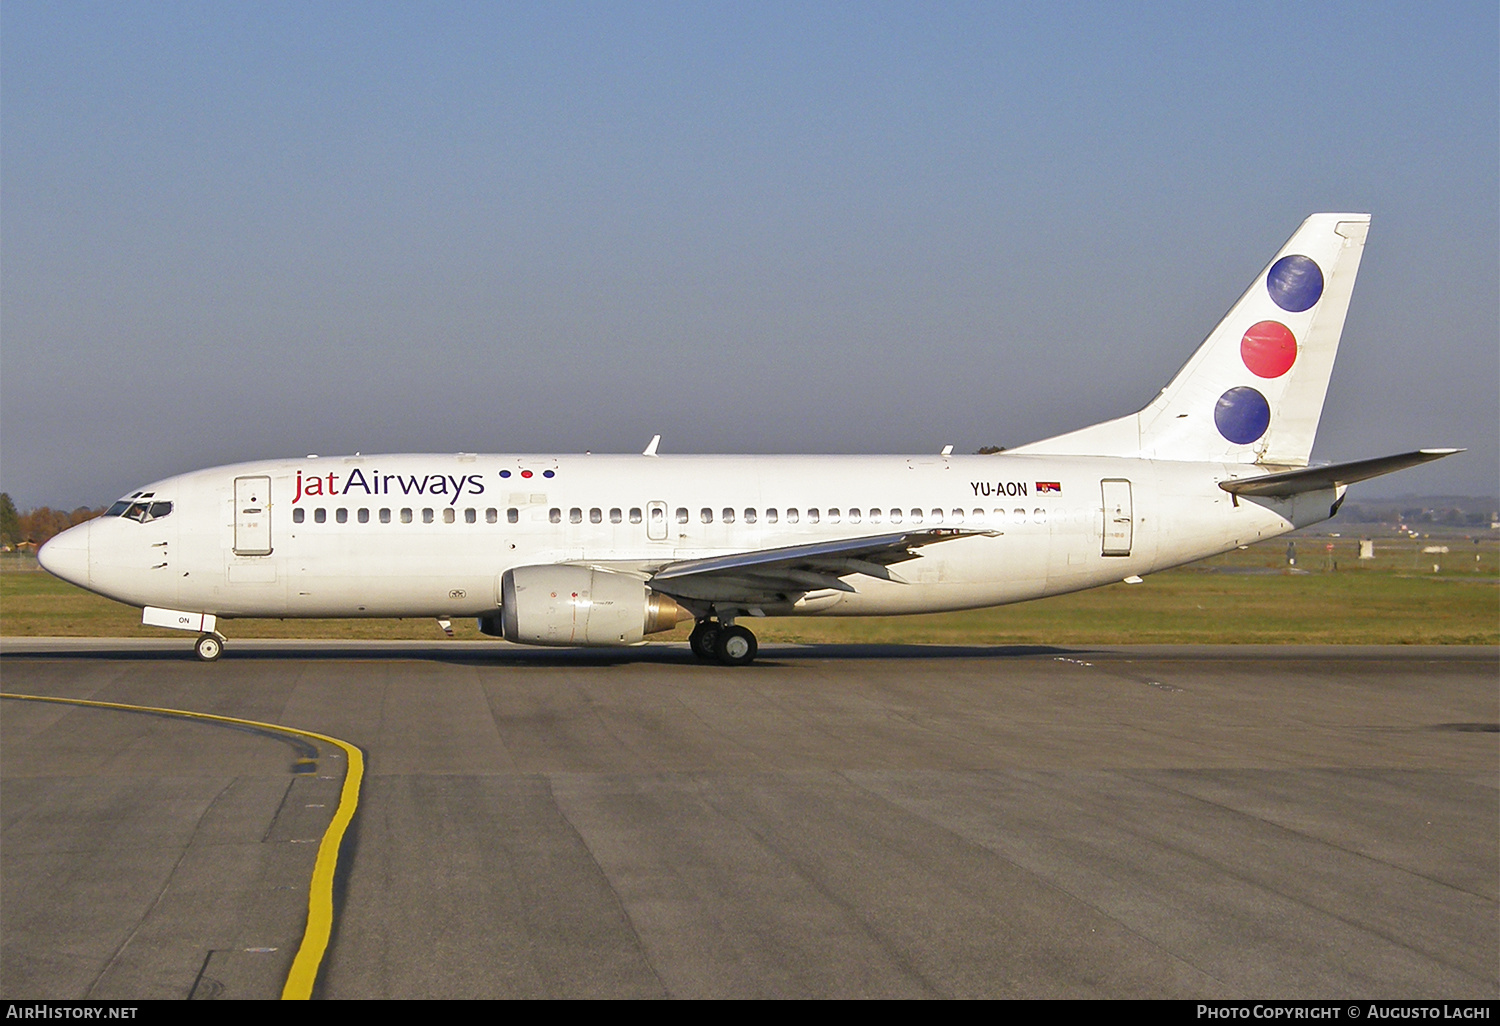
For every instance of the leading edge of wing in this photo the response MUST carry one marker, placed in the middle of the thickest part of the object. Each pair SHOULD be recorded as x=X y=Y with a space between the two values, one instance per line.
x=842 y=556
x=1308 y=479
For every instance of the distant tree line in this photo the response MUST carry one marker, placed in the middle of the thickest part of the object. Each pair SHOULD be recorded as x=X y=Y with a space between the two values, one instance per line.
x=37 y=525
x=1469 y=513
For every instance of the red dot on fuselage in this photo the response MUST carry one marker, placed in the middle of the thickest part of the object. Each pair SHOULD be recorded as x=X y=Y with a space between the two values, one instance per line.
x=525 y=473
x=1269 y=349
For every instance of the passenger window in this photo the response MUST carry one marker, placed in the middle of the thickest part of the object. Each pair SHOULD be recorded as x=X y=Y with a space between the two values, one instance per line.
x=682 y=514
x=1018 y=516
x=791 y=515
x=342 y=516
x=575 y=515
x=512 y=515
x=895 y=516
x=916 y=516
x=554 y=515
x=728 y=515
x=937 y=516
x=596 y=515
x=771 y=515
x=749 y=515
x=706 y=515
x=492 y=515
x=958 y=516
x=364 y=515
x=812 y=515
x=854 y=515
x=471 y=517
x=427 y=515
x=1039 y=515
x=299 y=515
x=615 y=516
x=833 y=515
x=406 y=515
x=978 y=516
x=448 y=515
x=385 y=516
x=635 y=514
x=874 y=516
x=657 y=514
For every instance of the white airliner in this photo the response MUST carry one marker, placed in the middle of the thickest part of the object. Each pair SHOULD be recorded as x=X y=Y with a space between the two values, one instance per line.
x=604 y=550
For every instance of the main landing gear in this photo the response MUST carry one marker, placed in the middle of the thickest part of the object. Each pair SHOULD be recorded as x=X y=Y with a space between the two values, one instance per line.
x=727 y=644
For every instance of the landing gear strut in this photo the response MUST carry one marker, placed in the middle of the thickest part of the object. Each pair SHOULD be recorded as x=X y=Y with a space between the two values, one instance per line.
x=714 y=642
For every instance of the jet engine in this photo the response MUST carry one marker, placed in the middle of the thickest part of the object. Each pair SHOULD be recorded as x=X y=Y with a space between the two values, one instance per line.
x=578 y=605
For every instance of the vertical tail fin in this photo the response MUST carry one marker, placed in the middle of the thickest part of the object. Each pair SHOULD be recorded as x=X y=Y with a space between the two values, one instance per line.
x=1254 y=390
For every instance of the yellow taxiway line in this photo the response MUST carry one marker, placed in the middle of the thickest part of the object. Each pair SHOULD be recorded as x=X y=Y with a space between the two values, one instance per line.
x=319 y=928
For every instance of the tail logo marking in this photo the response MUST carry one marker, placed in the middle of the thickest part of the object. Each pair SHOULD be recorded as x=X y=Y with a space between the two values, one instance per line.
x=1295 y=283
x=1242 y=415
x=1269 y=349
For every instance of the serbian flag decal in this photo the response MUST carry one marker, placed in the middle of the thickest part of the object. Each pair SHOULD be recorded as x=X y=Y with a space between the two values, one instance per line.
x=1042 y=487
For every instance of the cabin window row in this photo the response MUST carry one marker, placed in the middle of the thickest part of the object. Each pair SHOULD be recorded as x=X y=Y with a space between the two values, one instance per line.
x=793 y=515
x=706 y=515
x=447 y=515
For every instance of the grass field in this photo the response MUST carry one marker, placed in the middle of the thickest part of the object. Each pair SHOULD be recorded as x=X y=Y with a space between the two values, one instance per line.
x=1247 y=596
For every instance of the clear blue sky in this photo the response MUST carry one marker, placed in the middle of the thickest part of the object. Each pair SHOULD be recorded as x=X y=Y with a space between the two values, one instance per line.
x=238 y=230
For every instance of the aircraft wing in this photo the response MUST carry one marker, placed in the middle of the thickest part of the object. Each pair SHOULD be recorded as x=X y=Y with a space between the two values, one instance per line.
x=1309 y=479
x=769 y=575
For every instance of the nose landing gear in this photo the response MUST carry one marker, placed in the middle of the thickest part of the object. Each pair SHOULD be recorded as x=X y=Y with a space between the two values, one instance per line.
x=729 y=645
x=209 y=646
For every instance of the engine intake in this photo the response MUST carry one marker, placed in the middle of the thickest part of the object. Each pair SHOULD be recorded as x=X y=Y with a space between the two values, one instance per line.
x=579 y=605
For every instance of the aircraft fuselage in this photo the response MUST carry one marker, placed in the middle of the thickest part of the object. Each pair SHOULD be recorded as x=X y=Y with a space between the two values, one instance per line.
x=431 y=535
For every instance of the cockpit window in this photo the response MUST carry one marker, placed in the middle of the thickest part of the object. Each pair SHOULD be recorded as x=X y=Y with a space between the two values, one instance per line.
x=140 y=510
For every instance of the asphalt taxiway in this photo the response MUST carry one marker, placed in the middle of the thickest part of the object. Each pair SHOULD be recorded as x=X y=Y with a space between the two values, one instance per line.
x=833 y=821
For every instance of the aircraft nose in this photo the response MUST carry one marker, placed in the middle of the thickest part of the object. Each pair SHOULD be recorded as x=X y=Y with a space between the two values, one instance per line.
x=67 y=555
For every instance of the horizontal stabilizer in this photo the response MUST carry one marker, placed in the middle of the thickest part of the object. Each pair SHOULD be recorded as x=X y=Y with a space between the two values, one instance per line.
x=1311 y=479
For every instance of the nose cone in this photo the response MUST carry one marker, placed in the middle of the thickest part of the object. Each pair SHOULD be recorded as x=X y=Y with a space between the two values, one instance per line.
x=67 y=555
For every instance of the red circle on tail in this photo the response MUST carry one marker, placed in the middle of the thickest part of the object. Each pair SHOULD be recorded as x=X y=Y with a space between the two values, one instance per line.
x=1269 y=349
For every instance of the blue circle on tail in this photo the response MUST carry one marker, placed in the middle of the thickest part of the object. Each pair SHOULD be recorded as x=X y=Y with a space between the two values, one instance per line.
x=1242 y=415
x=1295 y=283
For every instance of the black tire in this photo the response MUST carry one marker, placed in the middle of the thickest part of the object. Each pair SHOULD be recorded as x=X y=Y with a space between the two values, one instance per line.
x=703 y=640
x=735 y=646
x=209 y=647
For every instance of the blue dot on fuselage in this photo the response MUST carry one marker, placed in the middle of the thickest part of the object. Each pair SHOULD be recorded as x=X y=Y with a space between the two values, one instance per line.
x=1242 y=415
x=1295 y=282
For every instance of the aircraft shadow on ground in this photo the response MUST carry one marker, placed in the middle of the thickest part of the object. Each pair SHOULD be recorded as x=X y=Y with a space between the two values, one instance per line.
x=666 y=655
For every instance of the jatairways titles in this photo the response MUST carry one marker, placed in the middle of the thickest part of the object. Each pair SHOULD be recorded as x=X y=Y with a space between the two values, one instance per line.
x=604 y=550
x=387 y=484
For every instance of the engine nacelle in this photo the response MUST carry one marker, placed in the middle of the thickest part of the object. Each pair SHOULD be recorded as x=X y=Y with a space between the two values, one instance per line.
x=578 y=605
